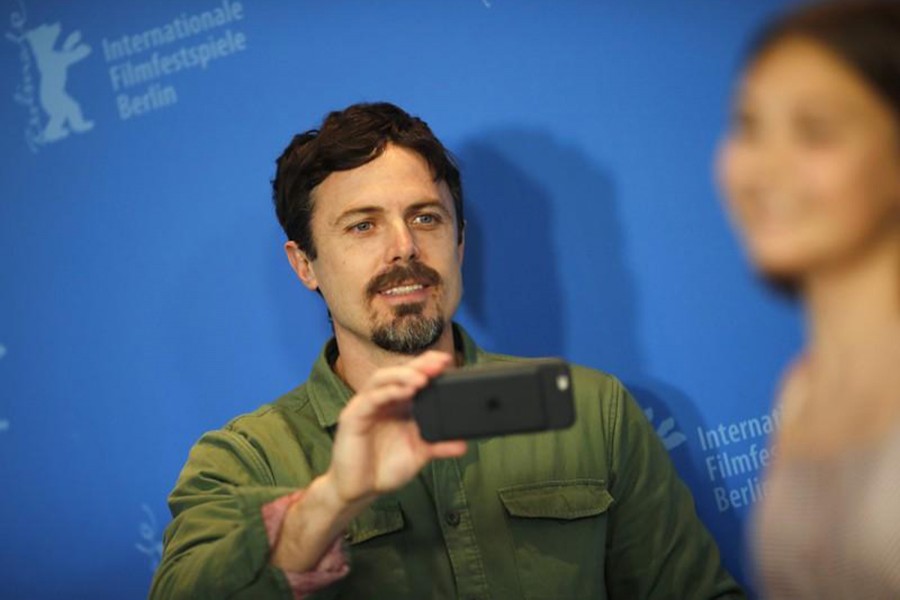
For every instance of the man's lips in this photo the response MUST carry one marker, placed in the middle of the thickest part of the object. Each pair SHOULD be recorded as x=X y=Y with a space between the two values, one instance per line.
x=404 y=289
x=408 y=281
x=409 y=293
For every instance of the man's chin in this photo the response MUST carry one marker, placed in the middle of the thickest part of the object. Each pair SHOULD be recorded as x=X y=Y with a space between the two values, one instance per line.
x=410 y=309
x=409 y=334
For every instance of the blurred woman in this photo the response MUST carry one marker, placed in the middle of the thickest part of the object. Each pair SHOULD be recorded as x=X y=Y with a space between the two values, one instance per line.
x=811 y=172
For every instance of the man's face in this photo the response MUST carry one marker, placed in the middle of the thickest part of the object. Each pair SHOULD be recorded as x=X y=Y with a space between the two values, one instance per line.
x=388 y=262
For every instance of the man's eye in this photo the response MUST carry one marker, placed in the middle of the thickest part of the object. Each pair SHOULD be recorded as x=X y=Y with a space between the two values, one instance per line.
x=427 y=219
x=362 y=227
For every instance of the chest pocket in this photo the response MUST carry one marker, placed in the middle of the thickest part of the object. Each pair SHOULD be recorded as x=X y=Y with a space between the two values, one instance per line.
x=382 y=517
x=558 y=530
x=375 y=538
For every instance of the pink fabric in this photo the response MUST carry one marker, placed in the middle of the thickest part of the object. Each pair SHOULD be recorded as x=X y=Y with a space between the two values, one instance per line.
x=330 y=568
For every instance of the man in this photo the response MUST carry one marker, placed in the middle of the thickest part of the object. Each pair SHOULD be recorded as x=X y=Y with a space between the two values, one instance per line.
x=331 y=491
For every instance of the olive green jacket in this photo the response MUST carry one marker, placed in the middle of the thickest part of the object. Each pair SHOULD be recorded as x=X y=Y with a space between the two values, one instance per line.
x=594 y=511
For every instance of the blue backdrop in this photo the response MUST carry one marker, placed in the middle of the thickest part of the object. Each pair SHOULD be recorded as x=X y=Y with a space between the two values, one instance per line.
x=145 y=296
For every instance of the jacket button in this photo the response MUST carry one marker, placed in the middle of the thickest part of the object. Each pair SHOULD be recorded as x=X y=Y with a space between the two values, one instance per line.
x=452 y=518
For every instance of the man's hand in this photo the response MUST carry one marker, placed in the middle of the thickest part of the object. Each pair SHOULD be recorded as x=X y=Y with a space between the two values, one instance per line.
x=377 y=449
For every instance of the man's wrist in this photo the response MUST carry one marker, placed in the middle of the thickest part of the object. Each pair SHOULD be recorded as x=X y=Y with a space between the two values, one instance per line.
x=333 y=506
x=313 y=523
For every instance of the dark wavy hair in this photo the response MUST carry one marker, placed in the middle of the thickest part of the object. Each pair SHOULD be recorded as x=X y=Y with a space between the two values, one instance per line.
x=348 y=139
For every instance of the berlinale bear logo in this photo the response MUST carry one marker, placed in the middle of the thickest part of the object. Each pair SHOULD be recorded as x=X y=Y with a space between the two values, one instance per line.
x=52 y=113
x=671 y=438
x=63 y=111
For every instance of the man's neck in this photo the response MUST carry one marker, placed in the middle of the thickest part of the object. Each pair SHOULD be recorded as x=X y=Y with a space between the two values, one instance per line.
x=359 y=358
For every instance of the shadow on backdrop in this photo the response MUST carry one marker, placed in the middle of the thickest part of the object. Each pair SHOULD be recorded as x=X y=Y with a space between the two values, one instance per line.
x=544 y=250
x=512 y=285
x=543 y=221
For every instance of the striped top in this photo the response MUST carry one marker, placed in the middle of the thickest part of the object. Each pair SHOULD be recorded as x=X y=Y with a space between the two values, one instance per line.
x=830 y=527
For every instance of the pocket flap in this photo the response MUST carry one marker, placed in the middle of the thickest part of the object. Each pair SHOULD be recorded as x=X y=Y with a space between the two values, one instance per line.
x=384 y=516
x=570 y=499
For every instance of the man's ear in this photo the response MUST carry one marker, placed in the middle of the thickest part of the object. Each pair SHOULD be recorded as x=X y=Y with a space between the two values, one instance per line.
x=302 y=265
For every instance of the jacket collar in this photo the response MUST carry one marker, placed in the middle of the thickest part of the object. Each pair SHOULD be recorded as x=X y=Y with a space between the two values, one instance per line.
x=328 y=393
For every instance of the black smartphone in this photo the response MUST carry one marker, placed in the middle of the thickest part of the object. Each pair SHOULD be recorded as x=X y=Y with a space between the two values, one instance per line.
x=496 y=399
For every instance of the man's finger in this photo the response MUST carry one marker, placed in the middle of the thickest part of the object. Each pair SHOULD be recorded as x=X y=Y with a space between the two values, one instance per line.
x=431 y=363
x=452 y=449
x=367 y=405
x=416 y=372
x=405 y=374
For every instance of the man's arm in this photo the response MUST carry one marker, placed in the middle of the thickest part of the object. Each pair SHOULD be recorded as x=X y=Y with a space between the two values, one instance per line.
x=657 y=547
x=217 y=545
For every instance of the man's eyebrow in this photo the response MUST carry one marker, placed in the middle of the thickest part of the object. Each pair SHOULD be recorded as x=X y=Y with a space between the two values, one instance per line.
x=361 y=211
x=435 y=204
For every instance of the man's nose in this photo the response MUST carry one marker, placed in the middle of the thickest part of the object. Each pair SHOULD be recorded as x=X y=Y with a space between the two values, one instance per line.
x=403 y=246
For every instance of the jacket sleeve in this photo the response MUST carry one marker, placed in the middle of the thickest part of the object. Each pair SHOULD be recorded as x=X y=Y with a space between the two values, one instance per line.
x=216 y=545
x=657 y=546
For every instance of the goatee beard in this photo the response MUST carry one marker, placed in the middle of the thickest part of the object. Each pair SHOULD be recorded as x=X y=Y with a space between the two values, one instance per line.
x=410 y=332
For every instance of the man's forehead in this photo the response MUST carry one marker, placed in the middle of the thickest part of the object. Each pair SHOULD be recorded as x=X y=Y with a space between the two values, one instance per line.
x=395 y=179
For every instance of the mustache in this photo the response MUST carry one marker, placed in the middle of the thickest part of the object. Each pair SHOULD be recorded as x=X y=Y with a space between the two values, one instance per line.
x=414 y=272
